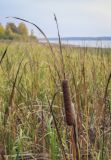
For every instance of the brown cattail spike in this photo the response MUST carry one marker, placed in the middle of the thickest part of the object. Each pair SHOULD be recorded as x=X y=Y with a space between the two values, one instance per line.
x=67 y=103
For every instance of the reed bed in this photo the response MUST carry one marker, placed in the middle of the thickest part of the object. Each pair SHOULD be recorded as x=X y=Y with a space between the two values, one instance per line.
x=34 y=95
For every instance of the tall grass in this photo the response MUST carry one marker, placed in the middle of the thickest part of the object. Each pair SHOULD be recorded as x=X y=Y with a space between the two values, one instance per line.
x=32 y=115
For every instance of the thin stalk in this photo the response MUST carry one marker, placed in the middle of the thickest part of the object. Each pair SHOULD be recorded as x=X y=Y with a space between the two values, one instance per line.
x=105 y=105
x=60 y=46
x=55 y=123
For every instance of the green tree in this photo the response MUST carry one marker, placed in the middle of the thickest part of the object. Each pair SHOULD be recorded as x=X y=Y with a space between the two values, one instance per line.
x=13 y=27
x=2 y=31
x=22 y=29
x=8 y=32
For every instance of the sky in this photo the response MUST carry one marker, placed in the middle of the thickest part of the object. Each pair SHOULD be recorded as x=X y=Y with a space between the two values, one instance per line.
x=75 y=17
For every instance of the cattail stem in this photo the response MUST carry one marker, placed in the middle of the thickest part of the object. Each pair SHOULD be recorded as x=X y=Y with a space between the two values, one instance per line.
x=70 y=116
x=75 y=139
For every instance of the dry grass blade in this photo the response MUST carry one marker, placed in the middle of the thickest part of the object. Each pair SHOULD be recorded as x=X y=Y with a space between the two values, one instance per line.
x=55 y=123
x=106 y=89
x=58 y=33
x=104 y=111
x=60 y=45
x=3 y=55
x=12 y=93
x=10 y=107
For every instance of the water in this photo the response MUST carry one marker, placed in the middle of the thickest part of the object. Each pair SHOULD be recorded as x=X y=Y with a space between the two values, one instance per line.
x=86 y=43
x=102 y=44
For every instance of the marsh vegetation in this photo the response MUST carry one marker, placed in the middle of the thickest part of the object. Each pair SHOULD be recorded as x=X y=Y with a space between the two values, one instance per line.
x=32 y=114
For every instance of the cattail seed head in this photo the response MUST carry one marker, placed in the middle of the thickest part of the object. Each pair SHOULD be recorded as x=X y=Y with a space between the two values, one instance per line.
x=67 y=103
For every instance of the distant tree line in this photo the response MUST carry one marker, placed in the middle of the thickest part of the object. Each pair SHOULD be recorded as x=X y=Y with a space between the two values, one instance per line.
x=11 y=31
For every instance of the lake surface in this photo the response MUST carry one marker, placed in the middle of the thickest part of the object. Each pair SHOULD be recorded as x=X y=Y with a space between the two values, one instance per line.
x=85 y=43
x=103 y=44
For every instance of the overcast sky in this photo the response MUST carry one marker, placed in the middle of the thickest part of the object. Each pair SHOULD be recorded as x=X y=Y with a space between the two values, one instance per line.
x=75 y=17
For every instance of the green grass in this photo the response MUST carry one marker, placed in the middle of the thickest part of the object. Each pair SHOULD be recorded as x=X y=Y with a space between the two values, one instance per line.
x=27 y=125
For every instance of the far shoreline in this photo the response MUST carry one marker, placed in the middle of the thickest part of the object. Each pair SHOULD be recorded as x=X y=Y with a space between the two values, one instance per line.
x=56 y=44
